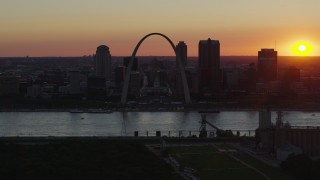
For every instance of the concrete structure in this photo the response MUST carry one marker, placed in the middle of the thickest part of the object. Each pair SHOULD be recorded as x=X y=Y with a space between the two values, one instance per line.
x=264 y=119
x=178 y=59
x=182 y=50
x=277 y=138
x=306 y=138
x=267 y=65
x=209 y=66
x=103 y=62
x=265 y=132
x=284 y=151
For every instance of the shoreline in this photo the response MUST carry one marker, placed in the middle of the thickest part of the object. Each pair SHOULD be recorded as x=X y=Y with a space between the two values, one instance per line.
x=106 y=111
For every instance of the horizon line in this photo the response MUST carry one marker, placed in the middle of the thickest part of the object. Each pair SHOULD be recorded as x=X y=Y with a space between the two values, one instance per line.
x=137 y=56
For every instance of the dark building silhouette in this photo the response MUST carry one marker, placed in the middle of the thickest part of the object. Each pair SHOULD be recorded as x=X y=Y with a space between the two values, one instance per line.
x=209 y=66
x=163 y=78
x=182 y=50
x=119 y=74
x=75 y=80
x=9 y=85
x=97 y=87
x=248 y=78
x=267 y=65
x=291 y=74
x=126 y=61
x=103 y=62
x=135 y=84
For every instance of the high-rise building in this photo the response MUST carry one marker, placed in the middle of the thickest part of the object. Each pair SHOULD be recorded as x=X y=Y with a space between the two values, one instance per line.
x=126 y=61
x=103 y=62
x=9 y=85
x=267 y=65
x=135 y=84
x=119 y=74
x=209 y=66
x=75 y=80
x=182 y=50
x=97 y=87
x=290 y=74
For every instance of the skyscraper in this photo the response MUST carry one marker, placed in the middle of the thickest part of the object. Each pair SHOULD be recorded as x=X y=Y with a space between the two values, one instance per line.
x=135 y=83
x=182 y=50
x=267 y=65
x=209 y=66
x=75 y=80
x=103 y=62
x=119 y=74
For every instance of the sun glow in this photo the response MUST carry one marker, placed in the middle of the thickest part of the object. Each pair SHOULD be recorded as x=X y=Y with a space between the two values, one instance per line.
x=302 y=49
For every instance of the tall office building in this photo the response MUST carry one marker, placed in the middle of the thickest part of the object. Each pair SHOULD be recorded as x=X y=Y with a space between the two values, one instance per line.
x=209 y=66
x=267 y=65
x=103 y=62
x=119 y=74
x=135 y=84
x=182 y=50
x=75 y=80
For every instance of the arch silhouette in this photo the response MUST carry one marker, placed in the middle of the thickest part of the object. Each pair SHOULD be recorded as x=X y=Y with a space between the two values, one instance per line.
x=181 y=68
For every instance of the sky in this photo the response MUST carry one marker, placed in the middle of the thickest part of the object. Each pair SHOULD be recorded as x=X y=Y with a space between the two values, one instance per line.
x=77 y=27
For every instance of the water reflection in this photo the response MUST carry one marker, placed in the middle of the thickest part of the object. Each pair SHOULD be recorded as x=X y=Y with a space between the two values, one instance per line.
x=125 y=123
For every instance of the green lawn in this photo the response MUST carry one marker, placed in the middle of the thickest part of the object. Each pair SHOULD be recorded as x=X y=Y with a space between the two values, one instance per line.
x=271 y=172
x=224 y=146
x=210 y=164
x=238 y=174
x=192 y=149
x=208 y=161
x=94 y=159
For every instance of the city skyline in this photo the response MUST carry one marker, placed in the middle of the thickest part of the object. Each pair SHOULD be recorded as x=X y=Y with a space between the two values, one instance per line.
x=75 y=28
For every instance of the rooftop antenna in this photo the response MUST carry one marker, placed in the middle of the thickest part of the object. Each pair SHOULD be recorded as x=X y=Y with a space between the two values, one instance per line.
x=275 y=45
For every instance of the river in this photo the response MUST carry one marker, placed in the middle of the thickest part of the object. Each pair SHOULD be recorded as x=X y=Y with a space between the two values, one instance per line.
x=124 y=124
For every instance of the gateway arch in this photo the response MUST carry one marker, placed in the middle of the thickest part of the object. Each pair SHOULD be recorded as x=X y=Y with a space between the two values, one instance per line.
x=180 y=66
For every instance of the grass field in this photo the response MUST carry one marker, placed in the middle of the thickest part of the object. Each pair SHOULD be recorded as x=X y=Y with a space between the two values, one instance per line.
x=209 y=163
x=116 y=160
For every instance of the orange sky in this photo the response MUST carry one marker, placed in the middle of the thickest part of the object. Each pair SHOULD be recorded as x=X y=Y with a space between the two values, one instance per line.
x=77 y=27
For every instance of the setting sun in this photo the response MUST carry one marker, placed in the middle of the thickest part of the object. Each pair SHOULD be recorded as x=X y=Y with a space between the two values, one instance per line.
x=302 y=49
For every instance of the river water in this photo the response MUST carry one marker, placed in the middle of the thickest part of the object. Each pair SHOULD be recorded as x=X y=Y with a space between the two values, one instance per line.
x=124 y=124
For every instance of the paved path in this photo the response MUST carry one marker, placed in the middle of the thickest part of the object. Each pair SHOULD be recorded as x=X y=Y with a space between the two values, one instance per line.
x=249 y=166
x=174 y=164
x=267 y=160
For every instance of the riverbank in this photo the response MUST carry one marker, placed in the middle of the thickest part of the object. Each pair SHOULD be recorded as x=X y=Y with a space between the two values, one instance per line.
x=213 y=110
